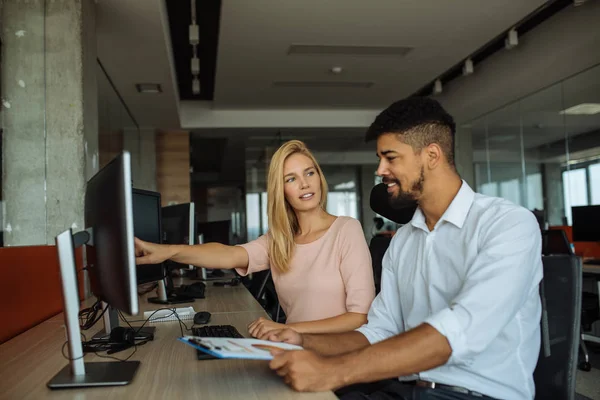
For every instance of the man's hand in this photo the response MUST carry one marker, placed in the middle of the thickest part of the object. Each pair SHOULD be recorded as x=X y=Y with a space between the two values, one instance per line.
x=263 y=326
x=286 y=335
x=306 y=371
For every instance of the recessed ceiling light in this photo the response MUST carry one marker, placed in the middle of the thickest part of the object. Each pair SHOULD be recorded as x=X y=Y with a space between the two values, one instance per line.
x=582 y=109
x=148 y=88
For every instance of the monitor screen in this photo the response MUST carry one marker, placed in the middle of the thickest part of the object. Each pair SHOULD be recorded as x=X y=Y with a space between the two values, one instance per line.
x=178 y=225
x=586 y=223
x=111 y=252
x=147 y=227
x=215 y=231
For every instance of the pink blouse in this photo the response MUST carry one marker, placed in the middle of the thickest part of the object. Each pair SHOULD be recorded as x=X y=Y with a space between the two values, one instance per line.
x=328 y=277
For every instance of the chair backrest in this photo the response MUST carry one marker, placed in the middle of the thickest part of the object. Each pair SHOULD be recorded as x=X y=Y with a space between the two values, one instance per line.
x=560 y=292
x=258 y=283
x=377 y=248
x=379 y=203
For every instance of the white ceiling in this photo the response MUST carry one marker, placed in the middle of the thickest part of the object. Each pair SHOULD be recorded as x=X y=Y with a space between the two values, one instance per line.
x=255 y=35
x=134 y=47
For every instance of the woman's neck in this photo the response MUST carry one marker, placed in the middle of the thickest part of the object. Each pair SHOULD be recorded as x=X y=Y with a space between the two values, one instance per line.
x=312 y=221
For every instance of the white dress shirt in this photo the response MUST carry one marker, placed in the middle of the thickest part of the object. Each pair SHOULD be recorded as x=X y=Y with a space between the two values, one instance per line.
x=475 y=279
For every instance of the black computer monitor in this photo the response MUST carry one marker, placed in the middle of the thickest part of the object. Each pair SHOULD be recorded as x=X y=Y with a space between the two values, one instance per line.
x=215 y=231
x=147 y=227
x=586 y=223
x=111 y=252
x=110 y=256
x=179 y=226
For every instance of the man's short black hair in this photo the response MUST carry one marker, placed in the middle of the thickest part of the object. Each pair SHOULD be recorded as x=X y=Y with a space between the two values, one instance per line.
x=419 y=122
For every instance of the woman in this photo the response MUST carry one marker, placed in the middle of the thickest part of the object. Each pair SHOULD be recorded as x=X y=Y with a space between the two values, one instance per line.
x=320 y=264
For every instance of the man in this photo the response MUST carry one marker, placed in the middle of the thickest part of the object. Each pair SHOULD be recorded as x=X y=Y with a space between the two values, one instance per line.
x=459 y=310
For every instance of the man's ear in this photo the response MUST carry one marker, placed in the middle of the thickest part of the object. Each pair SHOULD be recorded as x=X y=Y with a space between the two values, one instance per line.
x=433 y=155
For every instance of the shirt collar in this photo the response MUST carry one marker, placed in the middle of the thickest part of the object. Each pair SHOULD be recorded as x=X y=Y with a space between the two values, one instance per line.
x=456 y=213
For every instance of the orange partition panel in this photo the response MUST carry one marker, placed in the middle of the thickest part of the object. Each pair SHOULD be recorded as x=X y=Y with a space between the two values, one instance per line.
x=583 y=249
x=31 y=287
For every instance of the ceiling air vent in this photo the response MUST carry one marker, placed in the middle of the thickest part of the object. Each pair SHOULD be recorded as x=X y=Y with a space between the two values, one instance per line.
x=318 y=49
x=323 y=84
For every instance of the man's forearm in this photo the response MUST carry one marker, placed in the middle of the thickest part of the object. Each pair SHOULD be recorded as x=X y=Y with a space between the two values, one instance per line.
x=335 y=343
x=417 y=350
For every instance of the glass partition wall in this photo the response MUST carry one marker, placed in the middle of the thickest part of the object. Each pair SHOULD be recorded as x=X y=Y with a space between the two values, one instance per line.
x=543 y=151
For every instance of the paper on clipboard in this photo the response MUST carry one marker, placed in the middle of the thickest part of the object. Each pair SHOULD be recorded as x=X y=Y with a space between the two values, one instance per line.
x=250 y=349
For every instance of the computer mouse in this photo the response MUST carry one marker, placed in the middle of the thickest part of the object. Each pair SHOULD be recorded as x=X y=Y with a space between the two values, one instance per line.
x=201 y=318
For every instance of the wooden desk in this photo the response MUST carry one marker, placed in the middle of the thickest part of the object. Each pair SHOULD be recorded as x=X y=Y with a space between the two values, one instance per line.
x=591 y=269
x=169 y=369
x=217 y=299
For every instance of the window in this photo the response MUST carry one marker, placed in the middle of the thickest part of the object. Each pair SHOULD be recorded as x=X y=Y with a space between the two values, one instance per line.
x=575 y=190
x=489 y=189
x=511 y=190
x=594 y=180
x=535 y=197
x=252 y=215
x=263 y=213
x=342 y=203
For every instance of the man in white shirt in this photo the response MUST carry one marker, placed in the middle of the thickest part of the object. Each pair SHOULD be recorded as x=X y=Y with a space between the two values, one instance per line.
x=459 y=310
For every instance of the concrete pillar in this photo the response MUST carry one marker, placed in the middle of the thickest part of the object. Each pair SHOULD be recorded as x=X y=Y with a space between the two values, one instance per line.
x=50 y=116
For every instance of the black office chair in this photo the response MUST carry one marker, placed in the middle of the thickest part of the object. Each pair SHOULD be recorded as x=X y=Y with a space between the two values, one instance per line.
x=555 y=242
x=258 y=283
x=378 y=246
x=560 y=292
x=263 y=289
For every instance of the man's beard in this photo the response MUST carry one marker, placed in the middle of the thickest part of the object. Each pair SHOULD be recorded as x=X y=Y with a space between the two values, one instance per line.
x=409 y=198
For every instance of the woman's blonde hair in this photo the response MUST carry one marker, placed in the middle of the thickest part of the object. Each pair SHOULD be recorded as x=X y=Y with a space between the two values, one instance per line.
x=283 y=223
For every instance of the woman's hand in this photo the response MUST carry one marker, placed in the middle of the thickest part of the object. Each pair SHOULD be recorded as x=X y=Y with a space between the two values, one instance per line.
x=151 y=253
x=262 y=326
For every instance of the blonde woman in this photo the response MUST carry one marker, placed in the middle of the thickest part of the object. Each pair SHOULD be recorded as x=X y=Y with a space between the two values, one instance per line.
x=320 y=263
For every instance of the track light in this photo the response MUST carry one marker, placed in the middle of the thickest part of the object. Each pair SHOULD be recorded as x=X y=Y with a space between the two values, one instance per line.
x=437 y=87
x=196 y=85
x=468 y=67
x=194 y=34
x=195 y=65
x=512 y=39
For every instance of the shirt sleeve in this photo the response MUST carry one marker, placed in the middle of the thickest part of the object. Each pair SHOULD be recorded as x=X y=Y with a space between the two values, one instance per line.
x=258 y=255
x=356 y=268
x=385 y=315
x=505 y=273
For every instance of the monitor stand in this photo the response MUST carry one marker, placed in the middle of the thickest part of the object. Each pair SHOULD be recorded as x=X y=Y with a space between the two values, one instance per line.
x=111 y=321
x=77 y=373
x=167 y=293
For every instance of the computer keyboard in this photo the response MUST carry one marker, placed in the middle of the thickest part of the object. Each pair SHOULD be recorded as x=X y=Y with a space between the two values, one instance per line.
x=214 y=331
x=595 y=261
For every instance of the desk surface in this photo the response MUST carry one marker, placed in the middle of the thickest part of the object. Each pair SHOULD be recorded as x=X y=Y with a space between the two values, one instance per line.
x=591 y=269
x=169 y=368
